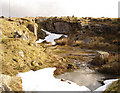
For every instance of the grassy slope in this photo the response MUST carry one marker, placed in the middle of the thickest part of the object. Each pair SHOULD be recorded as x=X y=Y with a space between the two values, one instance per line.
x=35 y=56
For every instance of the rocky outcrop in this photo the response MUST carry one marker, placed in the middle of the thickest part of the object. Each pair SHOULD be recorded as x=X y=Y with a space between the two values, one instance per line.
x=59 y=26
x=23 y=35
x=13 y=29
x=33 y=28
x=10 y=83
x=104 y=29
x=40 y=34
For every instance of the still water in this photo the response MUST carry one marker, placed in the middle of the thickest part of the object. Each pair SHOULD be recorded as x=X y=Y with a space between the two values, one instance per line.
x=84 y=77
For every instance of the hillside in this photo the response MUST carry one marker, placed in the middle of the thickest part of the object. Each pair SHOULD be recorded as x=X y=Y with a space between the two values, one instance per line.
x=21 y=53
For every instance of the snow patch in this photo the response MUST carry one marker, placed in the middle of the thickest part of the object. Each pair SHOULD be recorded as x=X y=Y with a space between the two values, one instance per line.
x=50 y=38
x=107 y=84
x=43 y=80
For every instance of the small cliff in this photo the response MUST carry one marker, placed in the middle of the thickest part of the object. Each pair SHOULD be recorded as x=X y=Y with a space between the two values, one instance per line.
x=85 y=32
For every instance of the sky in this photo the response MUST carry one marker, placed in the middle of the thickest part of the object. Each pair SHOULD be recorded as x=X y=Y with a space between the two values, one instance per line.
x=79 y=8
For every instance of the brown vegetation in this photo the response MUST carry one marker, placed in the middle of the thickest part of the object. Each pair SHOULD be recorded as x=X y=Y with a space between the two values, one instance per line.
x=108 y=65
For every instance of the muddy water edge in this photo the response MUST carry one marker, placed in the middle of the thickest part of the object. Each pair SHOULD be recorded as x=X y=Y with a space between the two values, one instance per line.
x=82 y=75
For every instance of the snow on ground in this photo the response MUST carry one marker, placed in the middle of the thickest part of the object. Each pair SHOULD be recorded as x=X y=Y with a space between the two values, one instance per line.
x=50 y=38
x=107 y=84
x=43 y=80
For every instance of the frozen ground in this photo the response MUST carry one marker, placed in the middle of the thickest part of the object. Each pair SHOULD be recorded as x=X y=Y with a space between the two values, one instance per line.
x=43 y=80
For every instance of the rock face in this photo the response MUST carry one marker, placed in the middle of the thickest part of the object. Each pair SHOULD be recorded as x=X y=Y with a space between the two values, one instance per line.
x=33 y=28
x=41 y=34
x=60 y=26
x=101 y=28
x=10 y=83
x=13 y=29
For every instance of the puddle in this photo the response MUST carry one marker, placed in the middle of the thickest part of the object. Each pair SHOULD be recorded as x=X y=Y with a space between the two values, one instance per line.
x=84 y=76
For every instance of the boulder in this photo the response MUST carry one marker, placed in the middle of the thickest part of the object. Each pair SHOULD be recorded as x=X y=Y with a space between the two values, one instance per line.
x=103 y=54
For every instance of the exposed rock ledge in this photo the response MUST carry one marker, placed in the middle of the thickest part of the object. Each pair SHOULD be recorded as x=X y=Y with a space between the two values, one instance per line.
x=10 y=83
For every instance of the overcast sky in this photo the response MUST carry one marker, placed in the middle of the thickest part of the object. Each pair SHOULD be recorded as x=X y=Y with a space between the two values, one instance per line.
x=79 y=8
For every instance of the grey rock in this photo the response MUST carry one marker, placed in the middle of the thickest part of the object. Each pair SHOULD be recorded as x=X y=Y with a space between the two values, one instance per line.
x=87 y=40
x=21 y=53
x=6 y=82
x=25 y=36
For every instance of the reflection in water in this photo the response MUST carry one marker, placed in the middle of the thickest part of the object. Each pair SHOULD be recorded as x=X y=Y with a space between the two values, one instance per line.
x=83 y=76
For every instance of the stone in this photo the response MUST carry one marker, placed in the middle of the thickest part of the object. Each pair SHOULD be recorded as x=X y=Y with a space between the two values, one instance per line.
x=21 y=53
x=33 y=28
x=25 y=36
x=6 y=88
x=8 y=83
x=34 y=63
x=87 y=40
x=63 y=79
x=17 y=34
x=69 y=82
x=103 y=54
